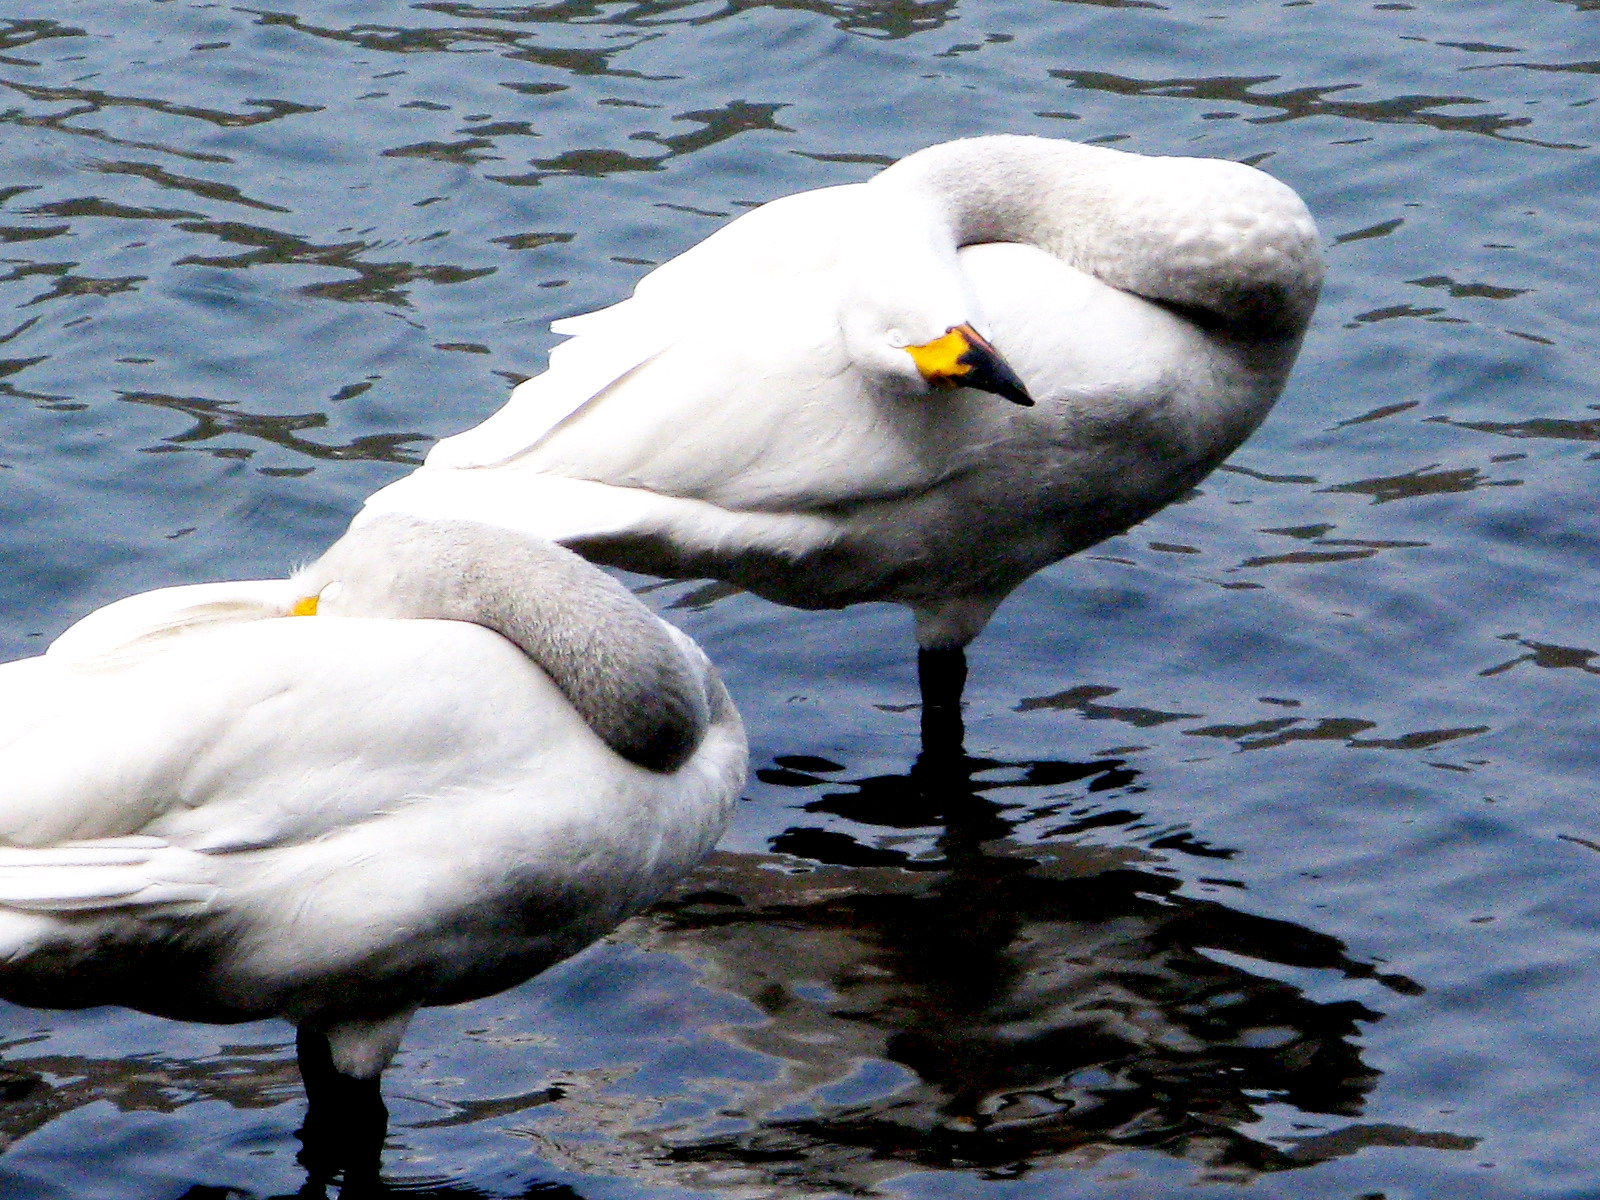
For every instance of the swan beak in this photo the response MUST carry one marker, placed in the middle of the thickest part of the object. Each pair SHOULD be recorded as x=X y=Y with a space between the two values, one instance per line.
x=964 y=358
x=306 y=606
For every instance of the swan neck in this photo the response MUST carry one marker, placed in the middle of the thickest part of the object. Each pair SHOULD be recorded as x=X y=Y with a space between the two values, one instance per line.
x=1218 y=241
x=615 y=661
x=621 y=668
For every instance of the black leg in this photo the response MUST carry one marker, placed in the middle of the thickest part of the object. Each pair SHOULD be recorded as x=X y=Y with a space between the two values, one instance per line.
x=942 y=675
x=346 y=1121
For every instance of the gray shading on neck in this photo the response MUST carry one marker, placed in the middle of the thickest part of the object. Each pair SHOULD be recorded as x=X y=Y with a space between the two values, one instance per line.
x=1217 y=241
x=618 y=665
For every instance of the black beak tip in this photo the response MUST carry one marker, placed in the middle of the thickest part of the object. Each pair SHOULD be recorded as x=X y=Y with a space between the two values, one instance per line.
x=988 y=372
x=1003 y=382
x=1019 y=397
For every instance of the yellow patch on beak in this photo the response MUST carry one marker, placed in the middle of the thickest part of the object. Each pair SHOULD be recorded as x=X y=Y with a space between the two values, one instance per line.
x=964 y=358
x=940 y=360
x=306 y=606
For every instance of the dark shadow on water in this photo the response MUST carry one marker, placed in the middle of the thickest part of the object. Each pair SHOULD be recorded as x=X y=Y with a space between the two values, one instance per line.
x=1028 y=985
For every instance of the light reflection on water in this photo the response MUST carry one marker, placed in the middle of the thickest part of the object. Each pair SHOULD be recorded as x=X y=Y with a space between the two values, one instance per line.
x=1274 y=857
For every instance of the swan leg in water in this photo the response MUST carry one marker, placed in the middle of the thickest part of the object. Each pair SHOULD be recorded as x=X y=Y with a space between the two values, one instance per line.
x=438 y=760
x=346 y=1120
x=941 y=678
x=922 y=388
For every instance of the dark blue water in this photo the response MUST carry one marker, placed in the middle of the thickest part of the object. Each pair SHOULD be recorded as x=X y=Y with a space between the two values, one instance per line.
x=1279 y=862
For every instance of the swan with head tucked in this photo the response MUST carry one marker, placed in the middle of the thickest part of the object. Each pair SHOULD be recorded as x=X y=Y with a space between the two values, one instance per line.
x=922 y=388
x=441 y=758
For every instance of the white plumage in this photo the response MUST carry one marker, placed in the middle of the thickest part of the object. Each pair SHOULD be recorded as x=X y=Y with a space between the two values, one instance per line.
x=762 y=409
x=214 y=810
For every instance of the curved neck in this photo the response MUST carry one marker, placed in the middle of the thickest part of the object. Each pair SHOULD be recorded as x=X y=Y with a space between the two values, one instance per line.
x=619 y=666
x=1221 y=242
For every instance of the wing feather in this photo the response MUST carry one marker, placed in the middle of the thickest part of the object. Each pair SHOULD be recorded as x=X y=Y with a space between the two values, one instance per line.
x=117 y=873
x=136 y=624
x=265 y=733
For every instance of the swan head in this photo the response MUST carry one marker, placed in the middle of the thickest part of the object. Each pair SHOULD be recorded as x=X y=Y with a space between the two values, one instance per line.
x=915 y=353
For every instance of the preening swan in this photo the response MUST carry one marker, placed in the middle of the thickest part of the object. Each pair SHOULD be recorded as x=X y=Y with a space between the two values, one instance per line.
x=436 y=761
x=798 y=404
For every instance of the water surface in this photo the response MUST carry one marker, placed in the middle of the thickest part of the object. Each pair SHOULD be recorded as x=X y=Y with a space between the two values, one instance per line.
x=1276 y=859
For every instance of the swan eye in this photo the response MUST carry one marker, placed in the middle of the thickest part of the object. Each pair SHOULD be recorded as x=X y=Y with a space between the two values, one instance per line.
x=331 y=591
x=898 y=340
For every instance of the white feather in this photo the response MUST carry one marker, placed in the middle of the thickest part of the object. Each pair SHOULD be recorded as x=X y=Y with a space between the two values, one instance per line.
x=211 y=809
x=745 y=415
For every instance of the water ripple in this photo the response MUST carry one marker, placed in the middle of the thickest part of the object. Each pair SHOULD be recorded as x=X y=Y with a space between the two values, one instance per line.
x=1293 y=104
x=1274 y=860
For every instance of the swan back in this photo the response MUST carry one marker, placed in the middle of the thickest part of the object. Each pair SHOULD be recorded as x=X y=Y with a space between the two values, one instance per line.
x=624 y=671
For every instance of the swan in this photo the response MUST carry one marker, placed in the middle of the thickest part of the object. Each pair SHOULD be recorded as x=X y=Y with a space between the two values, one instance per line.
x=426 y=767
x=922 y=388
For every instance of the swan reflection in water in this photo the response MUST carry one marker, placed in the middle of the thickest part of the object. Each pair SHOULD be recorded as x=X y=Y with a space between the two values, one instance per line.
x=1048 y=998
x=1029 y=984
